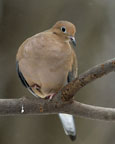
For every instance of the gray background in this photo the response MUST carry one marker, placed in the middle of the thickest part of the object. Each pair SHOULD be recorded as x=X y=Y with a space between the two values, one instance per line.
x=95 y=22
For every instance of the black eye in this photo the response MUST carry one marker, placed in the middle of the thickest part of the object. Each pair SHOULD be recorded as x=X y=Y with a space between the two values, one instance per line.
x=63 y=29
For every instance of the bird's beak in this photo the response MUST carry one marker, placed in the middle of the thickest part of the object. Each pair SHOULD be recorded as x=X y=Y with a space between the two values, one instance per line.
x=73 y=40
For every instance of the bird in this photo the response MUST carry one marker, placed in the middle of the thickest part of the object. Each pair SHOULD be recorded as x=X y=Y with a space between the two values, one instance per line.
x=46 y=62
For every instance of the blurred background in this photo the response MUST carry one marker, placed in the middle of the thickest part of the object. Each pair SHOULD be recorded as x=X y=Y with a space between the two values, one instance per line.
x=95 y=22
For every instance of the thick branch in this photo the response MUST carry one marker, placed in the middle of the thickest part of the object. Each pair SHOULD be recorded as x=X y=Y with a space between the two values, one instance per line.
x=95 y=72
x=63 y=102
x=39 y=107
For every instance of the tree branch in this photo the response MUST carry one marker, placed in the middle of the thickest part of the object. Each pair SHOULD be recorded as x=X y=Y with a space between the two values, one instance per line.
x=95 y=72
x=63 y=101
x=41 y=107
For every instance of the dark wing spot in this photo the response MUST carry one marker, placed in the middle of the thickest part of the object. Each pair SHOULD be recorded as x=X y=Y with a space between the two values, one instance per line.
x=70 y=77
x=24 y=82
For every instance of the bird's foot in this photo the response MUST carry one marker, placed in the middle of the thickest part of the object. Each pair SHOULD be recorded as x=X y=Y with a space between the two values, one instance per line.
x=36 y=86
x=49 y=97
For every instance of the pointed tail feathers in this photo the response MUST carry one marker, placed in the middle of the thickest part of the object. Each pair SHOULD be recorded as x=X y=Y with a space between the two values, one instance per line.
x=67 y=121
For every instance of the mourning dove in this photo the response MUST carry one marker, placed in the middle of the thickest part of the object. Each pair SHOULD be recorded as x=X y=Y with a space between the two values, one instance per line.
x=46 y=62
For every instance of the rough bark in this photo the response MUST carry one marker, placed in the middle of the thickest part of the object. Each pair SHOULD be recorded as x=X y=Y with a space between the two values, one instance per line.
x=63 y=101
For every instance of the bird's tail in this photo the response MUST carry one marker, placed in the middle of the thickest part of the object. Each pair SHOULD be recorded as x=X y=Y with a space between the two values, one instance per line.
x=67 y=121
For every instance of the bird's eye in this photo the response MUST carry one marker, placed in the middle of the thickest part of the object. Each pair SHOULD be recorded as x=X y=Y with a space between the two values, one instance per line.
x=63 y=29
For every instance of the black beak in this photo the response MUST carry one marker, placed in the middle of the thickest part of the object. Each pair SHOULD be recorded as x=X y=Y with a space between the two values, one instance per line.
x=73 y=40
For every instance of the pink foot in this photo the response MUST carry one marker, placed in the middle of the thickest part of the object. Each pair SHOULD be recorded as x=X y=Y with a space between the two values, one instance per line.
x=37 y=87
x=50 y=96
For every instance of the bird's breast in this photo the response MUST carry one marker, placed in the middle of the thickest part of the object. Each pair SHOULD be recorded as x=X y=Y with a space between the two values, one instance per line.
x=46 y=62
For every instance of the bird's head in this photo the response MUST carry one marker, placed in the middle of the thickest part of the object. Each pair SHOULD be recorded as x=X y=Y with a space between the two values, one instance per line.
x=65 y=30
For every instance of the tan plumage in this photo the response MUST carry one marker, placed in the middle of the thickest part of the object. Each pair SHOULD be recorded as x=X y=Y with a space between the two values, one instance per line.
x=46 y=62
x=46 y=59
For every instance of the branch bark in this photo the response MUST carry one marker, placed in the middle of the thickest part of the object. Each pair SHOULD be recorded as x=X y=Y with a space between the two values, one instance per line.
x=92 y=74
x=41 y=107
x=63 y=101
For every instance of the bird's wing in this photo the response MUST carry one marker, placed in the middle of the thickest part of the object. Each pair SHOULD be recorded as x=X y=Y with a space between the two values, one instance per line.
x=67 y=120
x=74 y=72
x=24 y=82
